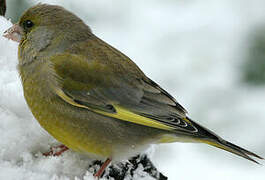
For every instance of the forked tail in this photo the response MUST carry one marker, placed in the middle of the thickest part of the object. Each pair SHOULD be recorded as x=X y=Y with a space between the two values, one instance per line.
x=209 y=137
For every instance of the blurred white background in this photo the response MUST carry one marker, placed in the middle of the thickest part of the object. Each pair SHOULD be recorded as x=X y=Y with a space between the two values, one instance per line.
x=195 y=50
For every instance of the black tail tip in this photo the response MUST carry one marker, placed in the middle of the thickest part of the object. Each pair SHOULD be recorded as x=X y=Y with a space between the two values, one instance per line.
x=243 y=152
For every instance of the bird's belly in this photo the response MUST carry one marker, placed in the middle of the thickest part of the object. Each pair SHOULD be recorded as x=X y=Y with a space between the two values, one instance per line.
x=77 y=139
x=99 y=142
x=92 y=134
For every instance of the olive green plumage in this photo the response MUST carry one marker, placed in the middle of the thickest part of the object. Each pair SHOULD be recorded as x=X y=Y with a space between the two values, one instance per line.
x=93 y=98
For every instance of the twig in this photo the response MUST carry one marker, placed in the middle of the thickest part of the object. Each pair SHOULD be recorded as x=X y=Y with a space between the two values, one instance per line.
x=2 y=7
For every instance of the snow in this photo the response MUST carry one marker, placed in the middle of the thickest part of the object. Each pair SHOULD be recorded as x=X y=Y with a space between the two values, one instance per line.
x=193 y=49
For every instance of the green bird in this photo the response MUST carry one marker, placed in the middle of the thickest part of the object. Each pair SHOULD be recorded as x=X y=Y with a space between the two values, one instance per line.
x=93 y=98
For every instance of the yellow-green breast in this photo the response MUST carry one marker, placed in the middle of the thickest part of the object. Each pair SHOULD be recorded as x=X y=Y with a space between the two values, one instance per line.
x=68 y=124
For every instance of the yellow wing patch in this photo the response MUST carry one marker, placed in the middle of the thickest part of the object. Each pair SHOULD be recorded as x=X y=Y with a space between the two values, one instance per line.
x=124 y=114
x=121 y=113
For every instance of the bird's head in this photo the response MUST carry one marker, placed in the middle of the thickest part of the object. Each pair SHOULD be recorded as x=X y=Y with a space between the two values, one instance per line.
x=47 y=28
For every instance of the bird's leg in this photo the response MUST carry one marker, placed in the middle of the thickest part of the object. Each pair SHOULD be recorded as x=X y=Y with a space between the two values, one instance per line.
x=53 y=151
x=63 y=148
x=102 y=168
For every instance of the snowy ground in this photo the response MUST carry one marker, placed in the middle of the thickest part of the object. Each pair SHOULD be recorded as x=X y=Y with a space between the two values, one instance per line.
x=193 y=49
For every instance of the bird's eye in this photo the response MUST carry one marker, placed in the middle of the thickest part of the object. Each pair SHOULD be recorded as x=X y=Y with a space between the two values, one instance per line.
x=28 y=24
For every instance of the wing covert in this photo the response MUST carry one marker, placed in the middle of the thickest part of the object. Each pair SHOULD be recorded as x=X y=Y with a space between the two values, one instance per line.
x=126 y=93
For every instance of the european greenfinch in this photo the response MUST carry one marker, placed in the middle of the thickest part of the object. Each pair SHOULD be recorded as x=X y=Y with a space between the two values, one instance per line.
x=93 y=98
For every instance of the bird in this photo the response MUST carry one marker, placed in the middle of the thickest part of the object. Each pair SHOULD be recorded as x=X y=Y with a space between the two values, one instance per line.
x=93 y=98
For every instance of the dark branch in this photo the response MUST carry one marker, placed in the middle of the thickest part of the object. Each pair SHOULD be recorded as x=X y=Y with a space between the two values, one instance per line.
x=2 y=7
x=133 y=168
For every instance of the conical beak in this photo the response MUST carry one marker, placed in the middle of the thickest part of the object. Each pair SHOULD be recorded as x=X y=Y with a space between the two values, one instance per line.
x=14 y=33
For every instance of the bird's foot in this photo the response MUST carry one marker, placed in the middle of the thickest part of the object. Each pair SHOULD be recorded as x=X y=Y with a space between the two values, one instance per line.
x=56 y=151
x=99 y=173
